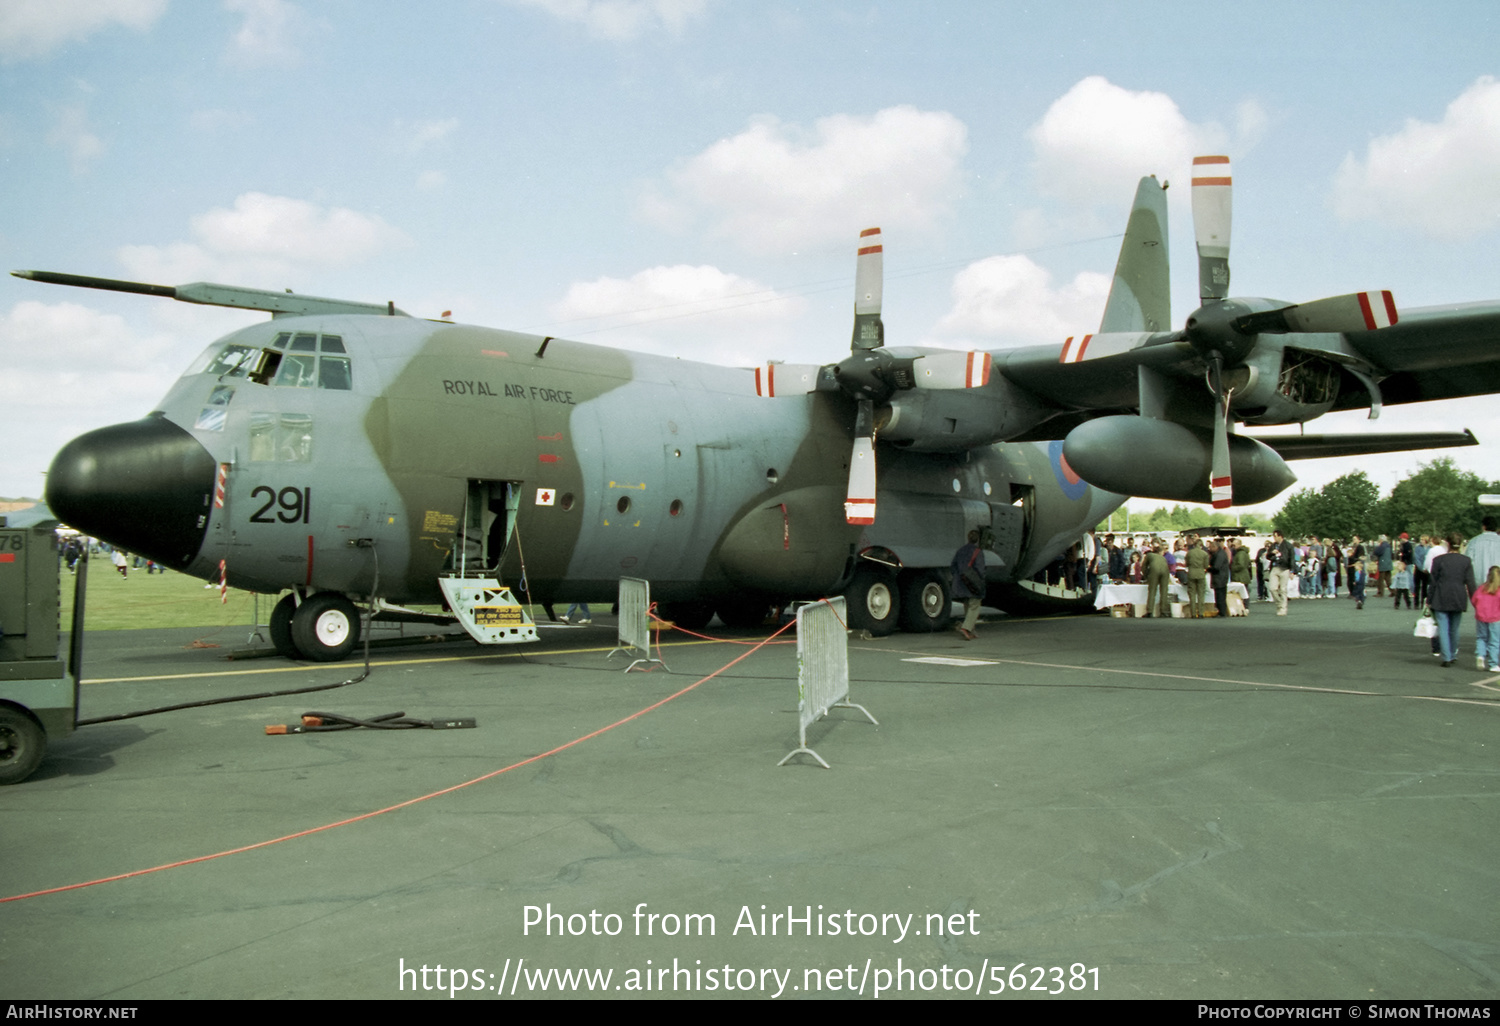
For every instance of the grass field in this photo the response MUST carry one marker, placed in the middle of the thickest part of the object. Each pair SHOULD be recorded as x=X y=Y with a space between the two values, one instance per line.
x=166 y=599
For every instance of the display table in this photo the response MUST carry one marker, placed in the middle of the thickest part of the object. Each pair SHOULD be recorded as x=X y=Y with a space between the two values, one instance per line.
x=1135 y=594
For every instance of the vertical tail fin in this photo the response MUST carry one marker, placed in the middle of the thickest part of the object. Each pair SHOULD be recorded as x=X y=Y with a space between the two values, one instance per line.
x=1141 y=297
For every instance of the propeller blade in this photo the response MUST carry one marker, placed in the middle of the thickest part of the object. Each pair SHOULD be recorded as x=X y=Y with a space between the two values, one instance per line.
x=869 y=274
x=1212 y=214
x=776 y=379
x=1358 y=311
x=951 y=370
x=859 y=502
x=1220 y=487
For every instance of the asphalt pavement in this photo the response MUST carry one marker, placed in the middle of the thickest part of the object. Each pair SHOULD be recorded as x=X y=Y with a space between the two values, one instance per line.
x=1268 y=807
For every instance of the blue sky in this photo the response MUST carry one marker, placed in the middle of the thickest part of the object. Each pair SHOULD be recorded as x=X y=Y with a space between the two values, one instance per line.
x=689 y=176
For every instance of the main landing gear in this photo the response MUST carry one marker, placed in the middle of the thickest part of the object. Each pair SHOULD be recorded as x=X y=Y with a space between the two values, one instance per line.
x=321 y=628
x=880 y=600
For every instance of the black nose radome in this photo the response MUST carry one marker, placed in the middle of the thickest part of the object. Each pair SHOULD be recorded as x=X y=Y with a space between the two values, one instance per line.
x=144 y=487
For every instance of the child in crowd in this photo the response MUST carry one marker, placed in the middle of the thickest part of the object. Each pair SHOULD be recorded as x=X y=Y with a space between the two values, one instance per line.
x=1357 y=583
x=1401 y=583
x=1487 y=622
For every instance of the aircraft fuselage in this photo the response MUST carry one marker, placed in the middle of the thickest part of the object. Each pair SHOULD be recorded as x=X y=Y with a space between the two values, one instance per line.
x=382 y=451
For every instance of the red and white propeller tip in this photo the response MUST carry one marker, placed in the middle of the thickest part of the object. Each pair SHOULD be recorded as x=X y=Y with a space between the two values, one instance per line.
x=1212 y=217
x=859 y=504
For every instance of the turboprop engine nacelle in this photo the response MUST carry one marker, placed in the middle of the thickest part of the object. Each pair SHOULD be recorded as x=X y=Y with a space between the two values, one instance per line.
x=1159 y=459
x=944 y=421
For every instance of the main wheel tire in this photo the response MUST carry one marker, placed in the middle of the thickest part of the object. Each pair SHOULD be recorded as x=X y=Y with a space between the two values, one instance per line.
x=281 y=627
x=692 y=616
x=926 y=601
x=874 y=601
x=325 y=627
x=23 y=742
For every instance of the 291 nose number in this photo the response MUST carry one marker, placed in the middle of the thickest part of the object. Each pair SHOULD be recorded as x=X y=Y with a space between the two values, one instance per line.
x=292 y=505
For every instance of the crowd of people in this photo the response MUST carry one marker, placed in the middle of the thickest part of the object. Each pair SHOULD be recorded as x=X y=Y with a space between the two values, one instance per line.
x=1441 y=575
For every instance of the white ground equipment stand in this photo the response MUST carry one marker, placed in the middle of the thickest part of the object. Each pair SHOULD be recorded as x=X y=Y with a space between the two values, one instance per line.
x=822 y=669
x=488 y=611
x=635 y=623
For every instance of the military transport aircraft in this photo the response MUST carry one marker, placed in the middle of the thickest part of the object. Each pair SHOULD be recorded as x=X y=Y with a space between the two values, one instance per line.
x=351 y=453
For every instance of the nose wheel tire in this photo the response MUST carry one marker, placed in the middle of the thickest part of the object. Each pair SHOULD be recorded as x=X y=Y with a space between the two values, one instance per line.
x=325 y=627
x=281 y=627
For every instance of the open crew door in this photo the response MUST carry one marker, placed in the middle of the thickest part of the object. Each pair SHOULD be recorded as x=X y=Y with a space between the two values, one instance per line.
x=489 y=524
x=487 y=608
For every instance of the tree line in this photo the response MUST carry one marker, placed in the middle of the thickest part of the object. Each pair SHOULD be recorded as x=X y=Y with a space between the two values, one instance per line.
x=1437 y=499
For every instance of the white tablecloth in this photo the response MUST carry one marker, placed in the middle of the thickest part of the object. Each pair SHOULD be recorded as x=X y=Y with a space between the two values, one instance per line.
x=1135 y=594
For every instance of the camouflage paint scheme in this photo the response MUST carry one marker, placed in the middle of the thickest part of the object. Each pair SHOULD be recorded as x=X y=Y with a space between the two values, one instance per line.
x=596 y=463
x=757 y=487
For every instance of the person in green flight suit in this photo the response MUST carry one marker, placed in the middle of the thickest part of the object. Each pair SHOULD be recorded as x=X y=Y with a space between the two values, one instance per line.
x=1197 y=583
x=1158 y=580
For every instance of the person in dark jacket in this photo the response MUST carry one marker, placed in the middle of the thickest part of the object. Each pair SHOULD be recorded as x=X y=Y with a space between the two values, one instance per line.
x=968 y=582
x=1452 y=584
x=1218 y=576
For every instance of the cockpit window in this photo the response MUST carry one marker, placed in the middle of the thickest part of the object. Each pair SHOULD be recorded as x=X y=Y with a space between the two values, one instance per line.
x=234 y=361
x=307 y=361
x=333 y=372
x=297 y=371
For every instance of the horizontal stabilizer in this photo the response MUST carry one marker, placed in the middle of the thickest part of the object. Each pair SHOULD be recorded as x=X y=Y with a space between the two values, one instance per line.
x=1313 y=447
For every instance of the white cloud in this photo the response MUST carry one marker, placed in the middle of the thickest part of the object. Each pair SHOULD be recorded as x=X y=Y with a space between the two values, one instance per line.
x=71 y=369
x=423 y=134
x=431 y=181
x=622 y=20
x=80 y=363
x=1098 y=139
x=776 y=187
x=1442 y=179
x=268 y=33
x=1006 y=300
x=265 y=238
x=72 y=134
x=35 y=28
x=701 y=312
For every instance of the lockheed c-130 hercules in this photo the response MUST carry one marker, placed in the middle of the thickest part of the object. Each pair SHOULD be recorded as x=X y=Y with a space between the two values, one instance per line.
x=354 y=454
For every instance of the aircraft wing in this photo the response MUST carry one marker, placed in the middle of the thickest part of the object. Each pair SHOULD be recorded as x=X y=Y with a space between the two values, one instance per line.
x=1439 y=352
x=1100 y=376
x=1316 y=447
